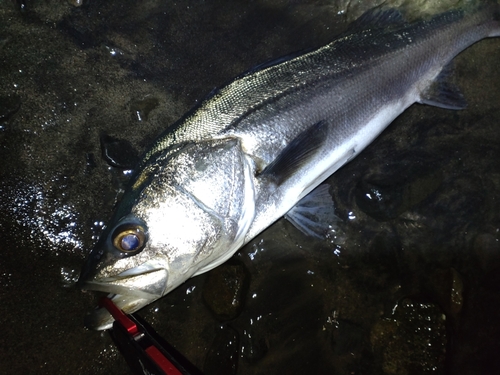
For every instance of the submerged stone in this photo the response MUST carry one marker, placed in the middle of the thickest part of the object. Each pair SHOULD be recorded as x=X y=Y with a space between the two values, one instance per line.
x=412 y=341
x=384 y=201
x=225 y=290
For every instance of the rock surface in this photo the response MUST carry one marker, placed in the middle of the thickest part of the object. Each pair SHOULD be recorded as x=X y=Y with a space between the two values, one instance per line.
x=72 y=71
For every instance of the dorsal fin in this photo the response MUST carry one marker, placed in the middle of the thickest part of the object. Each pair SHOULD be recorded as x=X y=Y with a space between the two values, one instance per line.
x=275 y=61
x=377 y=18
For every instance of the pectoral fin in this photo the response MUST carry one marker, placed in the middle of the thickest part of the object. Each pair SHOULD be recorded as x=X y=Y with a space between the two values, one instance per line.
x=298 y=152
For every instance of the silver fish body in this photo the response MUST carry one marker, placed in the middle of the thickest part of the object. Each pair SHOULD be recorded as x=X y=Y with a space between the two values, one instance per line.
x=246 y=155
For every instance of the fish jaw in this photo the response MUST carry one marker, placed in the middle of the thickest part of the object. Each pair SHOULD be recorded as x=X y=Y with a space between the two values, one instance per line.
x=135 y=282
x=131 y=290
x=100 y=319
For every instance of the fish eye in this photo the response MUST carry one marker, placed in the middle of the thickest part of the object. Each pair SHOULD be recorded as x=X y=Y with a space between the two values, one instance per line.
x=129 y=238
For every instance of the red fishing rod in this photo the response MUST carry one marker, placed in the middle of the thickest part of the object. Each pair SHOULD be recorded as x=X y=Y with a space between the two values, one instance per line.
x=143 y=349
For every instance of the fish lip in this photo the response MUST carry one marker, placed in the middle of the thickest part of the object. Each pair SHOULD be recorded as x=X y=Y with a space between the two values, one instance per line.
x=142 y=281
x=131 y=290
x=101 y=319
x=94 y=286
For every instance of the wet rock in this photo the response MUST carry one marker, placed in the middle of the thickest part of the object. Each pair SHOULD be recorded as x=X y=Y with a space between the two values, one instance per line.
x=225 y=290
x=384 y=201
x=90 y=163
x=379 y=201
x=75 y=3
x=412 y=341
x=397 y=186
x=118 y=153
x=9 y=105
x=459 y=208
x=487 y=250
x=140 y=109
x=491 y=281
x=447 y=287
x=69 y=277
x=254 y=347
x=456 y=292
x=349 y=342
x=222 y=357
x=79 y=31
x=67 y=62
x=21 y=5
x=348 y=338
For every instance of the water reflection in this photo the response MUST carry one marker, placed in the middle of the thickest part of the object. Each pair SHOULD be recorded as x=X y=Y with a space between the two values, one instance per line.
x=40 y=210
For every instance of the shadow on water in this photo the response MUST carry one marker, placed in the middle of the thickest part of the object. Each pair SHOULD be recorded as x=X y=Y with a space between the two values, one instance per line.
x=412 y=289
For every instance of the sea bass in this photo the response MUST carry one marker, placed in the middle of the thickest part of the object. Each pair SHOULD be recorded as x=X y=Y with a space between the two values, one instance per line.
x=255 y=149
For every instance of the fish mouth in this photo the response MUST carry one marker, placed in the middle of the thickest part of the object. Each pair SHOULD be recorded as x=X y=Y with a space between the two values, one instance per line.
x=130 y=291
x=100 y=319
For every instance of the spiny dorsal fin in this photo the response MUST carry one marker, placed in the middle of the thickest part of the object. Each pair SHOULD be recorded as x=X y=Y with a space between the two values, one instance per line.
x=377 y=18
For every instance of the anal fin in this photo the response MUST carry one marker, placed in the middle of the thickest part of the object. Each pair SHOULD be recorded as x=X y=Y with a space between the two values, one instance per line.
x=442 y=93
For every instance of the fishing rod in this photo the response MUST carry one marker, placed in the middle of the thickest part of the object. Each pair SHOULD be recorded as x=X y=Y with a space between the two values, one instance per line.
x=145 y=351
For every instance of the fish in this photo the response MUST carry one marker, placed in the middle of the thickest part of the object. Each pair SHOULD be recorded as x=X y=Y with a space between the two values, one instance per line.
x=257 y=149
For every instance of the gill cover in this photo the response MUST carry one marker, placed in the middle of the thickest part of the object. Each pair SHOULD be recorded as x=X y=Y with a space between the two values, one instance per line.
x=199 y=205
x=187 y=211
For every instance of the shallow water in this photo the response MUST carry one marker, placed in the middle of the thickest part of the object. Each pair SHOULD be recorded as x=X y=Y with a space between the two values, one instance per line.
x=413 y=289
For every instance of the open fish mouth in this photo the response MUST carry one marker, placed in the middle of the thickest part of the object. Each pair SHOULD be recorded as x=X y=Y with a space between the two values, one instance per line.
x=100 y=319
x=130 y=291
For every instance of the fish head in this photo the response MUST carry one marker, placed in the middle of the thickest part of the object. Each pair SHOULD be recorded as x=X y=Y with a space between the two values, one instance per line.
x=179 y=223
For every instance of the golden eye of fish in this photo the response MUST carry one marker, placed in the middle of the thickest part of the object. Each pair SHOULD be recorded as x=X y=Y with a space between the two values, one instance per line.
x=129 y=238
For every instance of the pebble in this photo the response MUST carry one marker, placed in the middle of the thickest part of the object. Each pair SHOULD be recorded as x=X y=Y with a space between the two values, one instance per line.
x=140 y=109
x=118 y=153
